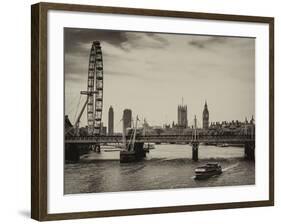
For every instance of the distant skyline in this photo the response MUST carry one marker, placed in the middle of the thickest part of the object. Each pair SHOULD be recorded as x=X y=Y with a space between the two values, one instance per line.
x=149 y=73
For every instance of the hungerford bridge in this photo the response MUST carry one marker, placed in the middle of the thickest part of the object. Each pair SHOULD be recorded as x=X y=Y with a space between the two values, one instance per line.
x=76 y=145
x=247 y=140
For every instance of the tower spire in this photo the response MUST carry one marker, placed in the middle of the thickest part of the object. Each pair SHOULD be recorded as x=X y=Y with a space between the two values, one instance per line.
x=206 y=105
x=205 y=116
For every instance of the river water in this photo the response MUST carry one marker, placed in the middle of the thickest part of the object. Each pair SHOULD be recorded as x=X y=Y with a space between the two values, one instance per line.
x=166 y=167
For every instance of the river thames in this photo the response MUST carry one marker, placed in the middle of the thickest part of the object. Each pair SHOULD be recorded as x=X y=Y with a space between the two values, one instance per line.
x=166 y=167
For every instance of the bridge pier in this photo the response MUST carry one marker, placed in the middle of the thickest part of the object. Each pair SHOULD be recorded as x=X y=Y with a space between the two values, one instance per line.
x=249 y=150
x=72 y=152
x=195 y=146
x=97 y=148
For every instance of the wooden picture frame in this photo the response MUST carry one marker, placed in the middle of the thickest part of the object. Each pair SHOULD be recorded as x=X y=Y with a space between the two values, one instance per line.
x=39 y=109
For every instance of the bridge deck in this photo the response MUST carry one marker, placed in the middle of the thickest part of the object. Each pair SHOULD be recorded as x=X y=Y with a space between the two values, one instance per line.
x=230 y=139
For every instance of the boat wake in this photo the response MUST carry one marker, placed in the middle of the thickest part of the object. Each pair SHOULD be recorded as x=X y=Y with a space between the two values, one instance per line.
x=230 y=167
x=134 y=170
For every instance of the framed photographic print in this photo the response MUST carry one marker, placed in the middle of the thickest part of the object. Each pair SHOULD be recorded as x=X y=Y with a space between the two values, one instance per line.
x=139 y=111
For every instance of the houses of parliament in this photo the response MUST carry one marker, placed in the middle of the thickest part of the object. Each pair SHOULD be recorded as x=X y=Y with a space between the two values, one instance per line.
x=182 y=117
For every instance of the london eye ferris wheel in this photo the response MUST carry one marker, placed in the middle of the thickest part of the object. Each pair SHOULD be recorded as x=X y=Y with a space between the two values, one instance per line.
x=94 y=93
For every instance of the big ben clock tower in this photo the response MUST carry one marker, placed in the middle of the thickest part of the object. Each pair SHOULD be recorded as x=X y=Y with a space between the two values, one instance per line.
x=205 y=117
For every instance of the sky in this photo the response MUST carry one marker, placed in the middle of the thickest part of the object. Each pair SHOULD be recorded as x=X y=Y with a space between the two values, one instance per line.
x=150 y=73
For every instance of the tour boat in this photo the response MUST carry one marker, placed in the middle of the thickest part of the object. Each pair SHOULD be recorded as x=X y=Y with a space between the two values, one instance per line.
x=148 y=146
x=208 y=170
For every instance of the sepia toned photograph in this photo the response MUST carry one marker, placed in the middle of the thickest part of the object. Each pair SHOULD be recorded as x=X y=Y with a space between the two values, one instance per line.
x=152 y=111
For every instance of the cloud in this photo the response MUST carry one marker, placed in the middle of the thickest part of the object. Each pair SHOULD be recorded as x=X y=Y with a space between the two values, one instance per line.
x=117 y=47
x=205 y=42
x=137 y=40
x=75 y=38
x=159 y=38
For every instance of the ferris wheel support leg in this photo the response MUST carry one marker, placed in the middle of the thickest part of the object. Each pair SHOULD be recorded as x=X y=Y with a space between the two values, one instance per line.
x=80 y=114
